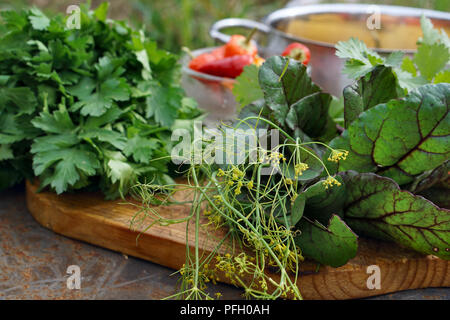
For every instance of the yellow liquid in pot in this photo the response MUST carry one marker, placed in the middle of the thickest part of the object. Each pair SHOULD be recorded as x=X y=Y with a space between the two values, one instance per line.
x=395 y=33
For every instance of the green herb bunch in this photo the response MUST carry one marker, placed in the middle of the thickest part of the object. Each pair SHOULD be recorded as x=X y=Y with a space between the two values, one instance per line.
x=85 y=107
x=385 y=175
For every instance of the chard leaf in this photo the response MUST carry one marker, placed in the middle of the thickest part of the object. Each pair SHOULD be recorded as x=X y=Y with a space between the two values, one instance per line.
x=322 y=204
x=334 y=245
x=376 y=207
x=310 y=114
x=297 y=209
x=284 y=82
x=402 y=138
x=437 y=195
x=431 y=177
x=379 y=86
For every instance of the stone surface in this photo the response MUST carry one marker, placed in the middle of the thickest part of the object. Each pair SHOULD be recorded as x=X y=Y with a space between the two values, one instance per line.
x=34 y=260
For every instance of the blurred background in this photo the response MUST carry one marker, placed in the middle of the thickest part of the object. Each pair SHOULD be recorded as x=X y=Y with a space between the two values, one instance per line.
x=177 y=23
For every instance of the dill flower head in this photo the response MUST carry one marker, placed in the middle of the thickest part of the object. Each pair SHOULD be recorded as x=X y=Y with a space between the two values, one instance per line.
x=220 y=173
x=237 y=191
x=330 y=181
x=236 y=173
x=337 y=155
x=299 y=168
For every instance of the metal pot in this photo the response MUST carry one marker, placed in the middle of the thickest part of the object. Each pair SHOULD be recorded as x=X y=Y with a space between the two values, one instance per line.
x=321 y=26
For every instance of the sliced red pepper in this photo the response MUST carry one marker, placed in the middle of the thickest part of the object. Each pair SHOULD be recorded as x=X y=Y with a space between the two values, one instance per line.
x=240 y=45
x=229 y=67
x=207 y=57
x=298 y=52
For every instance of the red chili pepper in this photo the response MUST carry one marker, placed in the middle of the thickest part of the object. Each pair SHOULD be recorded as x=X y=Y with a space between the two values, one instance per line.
x=229 y=67
x=207 y=57
x=298 y=52
x=240 y=45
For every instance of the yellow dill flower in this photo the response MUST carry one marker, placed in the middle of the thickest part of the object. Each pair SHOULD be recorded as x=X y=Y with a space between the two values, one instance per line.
x=250 y=185
x=299 y=168
x=337 y=155
x=289 y=181
x=220 y=173
x=330 y=181
x=218 y=295
x=238 y=188
x=237 y=173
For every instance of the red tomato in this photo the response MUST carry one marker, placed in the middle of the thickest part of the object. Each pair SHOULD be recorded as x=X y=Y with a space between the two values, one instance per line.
x=298 y=52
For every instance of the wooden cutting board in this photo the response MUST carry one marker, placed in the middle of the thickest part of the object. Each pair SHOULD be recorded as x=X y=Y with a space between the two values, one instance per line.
x=88 y=217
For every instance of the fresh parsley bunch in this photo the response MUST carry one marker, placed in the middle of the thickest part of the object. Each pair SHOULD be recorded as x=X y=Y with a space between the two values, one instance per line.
x=85 y=107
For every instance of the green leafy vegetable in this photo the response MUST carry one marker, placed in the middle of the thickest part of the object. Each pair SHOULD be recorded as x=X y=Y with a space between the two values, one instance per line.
x=402 y=138
x=376 y=207
x=85 y=107
x=428 y=65
x=378 y=86
x=334 y=245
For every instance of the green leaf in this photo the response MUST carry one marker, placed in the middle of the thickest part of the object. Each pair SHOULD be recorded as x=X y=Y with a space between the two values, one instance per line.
x=431 y=59
x=38 y=20
x=431 y=35
x=376 y=207
x=246 y=88
x=379 y=86
x=67 y=165
x=402 y=138
x=6 y=152
x=58 y=122
x=284 y=82
x=437 y=195
x=322 y=204
x=310 y=114
x=430 y=178
x=22 y=99
x=141 y=148
x=114 y=138
x=297 y=209
x=101 y=13
x=360 y=59
x=442 y=77
x=163 y=104
x=334 y=245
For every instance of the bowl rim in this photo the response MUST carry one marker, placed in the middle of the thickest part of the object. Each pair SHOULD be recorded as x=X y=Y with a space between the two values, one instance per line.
x=295 y=11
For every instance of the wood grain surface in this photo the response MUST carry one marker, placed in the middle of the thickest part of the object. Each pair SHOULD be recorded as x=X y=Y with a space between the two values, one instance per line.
x=88 y=217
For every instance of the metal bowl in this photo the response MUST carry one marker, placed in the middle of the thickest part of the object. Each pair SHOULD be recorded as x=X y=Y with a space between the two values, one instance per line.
x=321 y=26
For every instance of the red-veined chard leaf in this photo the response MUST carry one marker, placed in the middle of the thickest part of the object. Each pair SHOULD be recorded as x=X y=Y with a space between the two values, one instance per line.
x=334 y=245
x=402 y=138
x=292 y=100
x=438 y=195
x=378 y=86
x=431 y=177
x=322 y=203
x=376 y=207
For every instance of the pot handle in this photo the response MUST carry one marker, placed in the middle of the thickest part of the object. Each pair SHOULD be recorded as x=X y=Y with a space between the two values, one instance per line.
x=216 y=29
